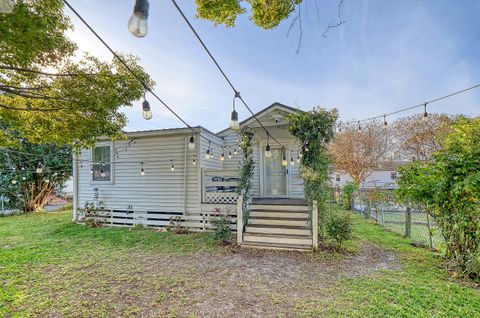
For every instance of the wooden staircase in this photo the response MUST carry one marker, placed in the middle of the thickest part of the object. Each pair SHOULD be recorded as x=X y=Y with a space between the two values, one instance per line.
x=278 y=226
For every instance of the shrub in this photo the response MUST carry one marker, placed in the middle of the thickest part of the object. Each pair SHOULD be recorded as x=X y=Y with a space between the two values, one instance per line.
x=221 y=222
x=338 y=226
x=90 y=214
x=347 y=196
x=176 y=226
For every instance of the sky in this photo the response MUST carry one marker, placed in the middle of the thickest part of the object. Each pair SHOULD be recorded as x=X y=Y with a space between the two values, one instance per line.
x=387 y=56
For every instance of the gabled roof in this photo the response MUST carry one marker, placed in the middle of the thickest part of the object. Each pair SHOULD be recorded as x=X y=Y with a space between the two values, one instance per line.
x=264 y=111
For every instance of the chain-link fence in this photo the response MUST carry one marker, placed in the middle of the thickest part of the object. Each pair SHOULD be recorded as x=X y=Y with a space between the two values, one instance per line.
x=380 y=205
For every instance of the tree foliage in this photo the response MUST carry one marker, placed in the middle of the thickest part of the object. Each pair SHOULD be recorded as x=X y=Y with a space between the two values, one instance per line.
x=47 y=95
x=449 y=187
x=266 y=14
x=419 y=137
x=358 y=152
x=314 y=130
x=24 y=188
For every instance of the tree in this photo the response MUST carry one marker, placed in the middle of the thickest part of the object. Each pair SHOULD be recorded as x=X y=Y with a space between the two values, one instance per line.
x=448 y=186
x=314 y=130
x=419 y=137
x=266 y=14
x=32 y=172
x=46 y=96
x=358 y=152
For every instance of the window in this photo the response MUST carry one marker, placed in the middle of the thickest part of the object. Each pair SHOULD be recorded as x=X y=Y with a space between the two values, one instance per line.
x=393 y=175
x=102 y=163
x=337 y=177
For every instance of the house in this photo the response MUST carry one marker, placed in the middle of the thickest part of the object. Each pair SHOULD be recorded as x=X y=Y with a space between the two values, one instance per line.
x=156 y=178
x=384 y=175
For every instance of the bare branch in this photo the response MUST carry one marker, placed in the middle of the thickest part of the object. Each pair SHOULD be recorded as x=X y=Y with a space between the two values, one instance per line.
x=32 y=109
x=298 y=18
x=337 y=24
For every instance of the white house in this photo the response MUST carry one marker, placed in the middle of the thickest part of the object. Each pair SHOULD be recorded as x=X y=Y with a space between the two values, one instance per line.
x=154 y=176
x=384 y=175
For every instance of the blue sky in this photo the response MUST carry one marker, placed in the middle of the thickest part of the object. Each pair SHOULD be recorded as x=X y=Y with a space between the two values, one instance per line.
x=388 y=55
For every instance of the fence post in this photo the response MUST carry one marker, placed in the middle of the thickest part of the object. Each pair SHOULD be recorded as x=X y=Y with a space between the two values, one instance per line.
x=408 y=222
x=315 y=225
x=240 y=219
x=429 y=230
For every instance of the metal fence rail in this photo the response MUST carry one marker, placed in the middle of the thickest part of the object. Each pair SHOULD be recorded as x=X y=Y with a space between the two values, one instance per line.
x=381 y=207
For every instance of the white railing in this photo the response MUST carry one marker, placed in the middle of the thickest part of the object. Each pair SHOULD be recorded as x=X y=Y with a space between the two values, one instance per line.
x=219 y=186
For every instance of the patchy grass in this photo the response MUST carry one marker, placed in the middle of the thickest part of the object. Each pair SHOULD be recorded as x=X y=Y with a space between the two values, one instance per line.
x=51 y=267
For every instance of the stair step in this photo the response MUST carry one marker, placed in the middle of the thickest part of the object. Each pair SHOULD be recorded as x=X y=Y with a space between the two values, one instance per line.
x=284 y=222
x=277 y=246
x=277 y=238
x=270 y=214
x=278 y=208
x=277 y=230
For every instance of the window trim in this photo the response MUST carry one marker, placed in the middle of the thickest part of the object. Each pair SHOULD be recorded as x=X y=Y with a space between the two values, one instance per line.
x=112 y=163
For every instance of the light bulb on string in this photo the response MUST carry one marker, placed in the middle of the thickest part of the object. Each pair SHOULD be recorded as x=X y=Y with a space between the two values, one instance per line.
x=385 y=124
x=173 y=165
x=208 y=155
x=235 y=151
x=268 y=151
x=102 y=172
x=194 y=162
x=46 y=180
x=284 y=159
x=222 y=156
x=425 y=114
x=191 y=143
x=292 y=162
x=91 y=170
x=6 y=6
x=142 y=170
x=146 y=111
x=229 y=155
x=359 y=126
x=24 y=178
x=137 y=25
x=234 y=124
x=39 y=169
x=14 y=181
x=298 y=158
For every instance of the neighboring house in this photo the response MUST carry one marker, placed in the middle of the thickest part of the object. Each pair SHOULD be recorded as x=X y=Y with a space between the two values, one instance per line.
x=154 y=176
x=384 y=175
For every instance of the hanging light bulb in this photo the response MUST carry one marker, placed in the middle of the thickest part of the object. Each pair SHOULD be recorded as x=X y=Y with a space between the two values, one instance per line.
x=102 y=172
x=6 y=6
x=284 y=161
x=173 y=165
x=222 y=157
x=142 y=171
x=229 y=155
x=268 y=151
x=234 y=124
x=55 y=174
x=46 y=180
x=191 y=143
x=425 y=114
x=137 y=25
x=39 y=169
x=359 y=127
x=91 y=170
x=147 y=113
x=385 y=124
x=235 y=151
x=14 y=181
x=194 y=162
x=298 y=158
x=208 y=155
x=24 y=178
x=292 y=162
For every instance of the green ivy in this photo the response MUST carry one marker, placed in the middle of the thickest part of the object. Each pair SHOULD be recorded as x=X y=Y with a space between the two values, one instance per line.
x=246 y=172
x=314 y=130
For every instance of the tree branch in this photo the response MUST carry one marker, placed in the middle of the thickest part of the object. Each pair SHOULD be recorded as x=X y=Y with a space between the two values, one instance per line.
x=32 y=109
x=340 y=20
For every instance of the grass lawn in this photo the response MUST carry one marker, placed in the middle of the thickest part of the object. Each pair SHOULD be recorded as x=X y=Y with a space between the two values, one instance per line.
x=50 y=267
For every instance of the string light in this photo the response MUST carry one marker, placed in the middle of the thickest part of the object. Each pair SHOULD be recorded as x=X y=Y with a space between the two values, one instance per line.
x=235 y=151
x=298 y=158
x=359 y=126
x=147 y=113
x=230 y=155
x=385 y=121
x=191 y=143
x=14 y=181
x=39 y=169
x=292 y=162
x=284 y=159
x=142 y=171
x=234 y=124
x=6 y=6
x=24 y=178
x=46 y=180
x=91 y=169
x=194 y=162
x=208 y=155
x=173 y=165
x=268 y=151
x=102 y=172
x=425 y=114
x=137 y=25
x=222 y=156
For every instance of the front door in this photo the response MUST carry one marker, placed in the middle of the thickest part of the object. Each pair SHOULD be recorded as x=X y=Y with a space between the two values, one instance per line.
x=275 y=175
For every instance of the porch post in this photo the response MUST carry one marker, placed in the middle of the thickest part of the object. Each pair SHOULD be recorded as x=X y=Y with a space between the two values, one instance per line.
x=315 y=225
x=240 y=219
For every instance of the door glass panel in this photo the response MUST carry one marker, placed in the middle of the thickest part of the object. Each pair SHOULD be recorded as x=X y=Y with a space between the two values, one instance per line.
x=275 y=174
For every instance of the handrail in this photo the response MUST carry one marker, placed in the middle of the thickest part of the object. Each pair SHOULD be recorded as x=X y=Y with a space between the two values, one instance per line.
x=240 y=218
x=315 y=225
